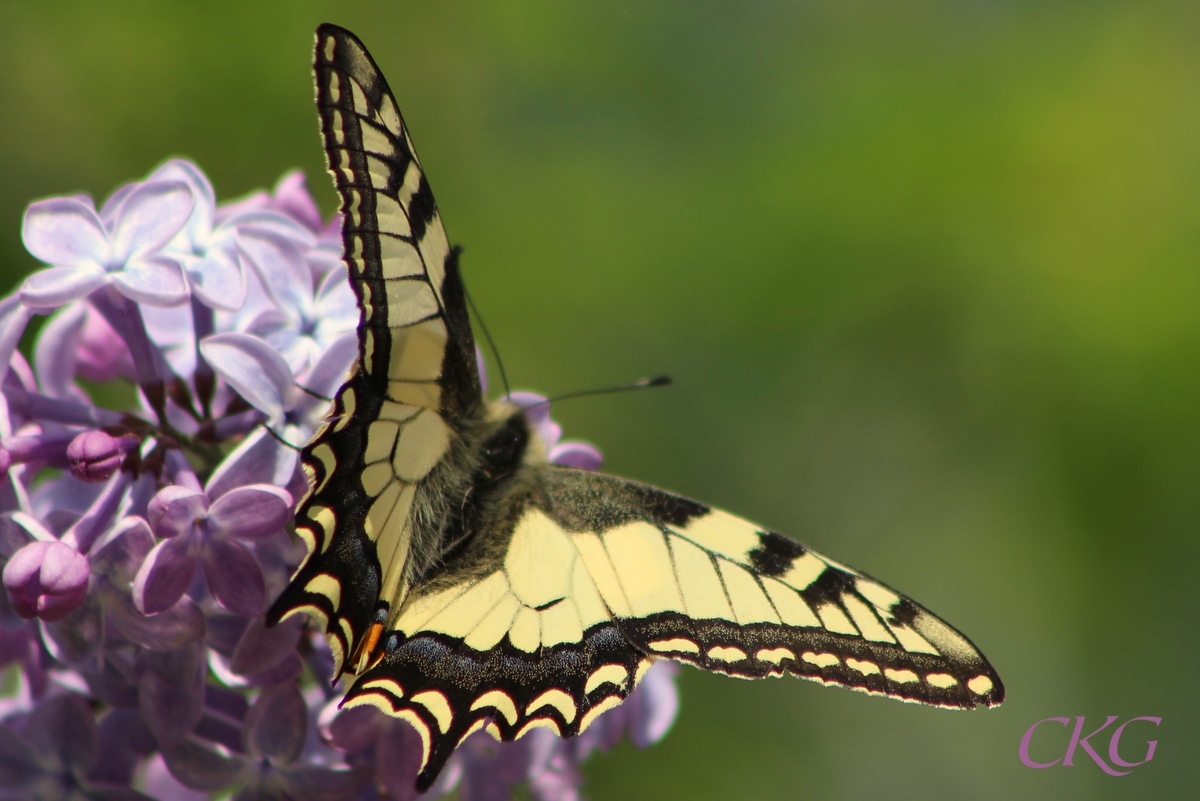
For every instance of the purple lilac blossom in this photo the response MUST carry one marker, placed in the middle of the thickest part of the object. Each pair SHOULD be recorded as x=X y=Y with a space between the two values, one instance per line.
x=137 y=565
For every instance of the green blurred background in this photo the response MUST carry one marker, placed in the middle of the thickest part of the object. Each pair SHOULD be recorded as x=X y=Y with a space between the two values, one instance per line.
x=928 y=280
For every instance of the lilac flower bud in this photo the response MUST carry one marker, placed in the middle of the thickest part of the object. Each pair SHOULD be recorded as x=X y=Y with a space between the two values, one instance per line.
x=95 y=455
x=46 y=580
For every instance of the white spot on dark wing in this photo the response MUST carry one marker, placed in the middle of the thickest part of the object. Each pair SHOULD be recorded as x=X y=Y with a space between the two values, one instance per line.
x=500 y=701
x=820 y=660
x=774 y=655
x=980 y=685
x=942 y=680
x=901 y=676
x=606 y=674
x=438 y=706
x=862 y=666
x=558 y=700
x=675 y=645
x=726 y=653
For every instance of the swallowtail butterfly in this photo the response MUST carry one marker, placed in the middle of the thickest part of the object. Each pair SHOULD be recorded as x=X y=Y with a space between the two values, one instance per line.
x=467 y=583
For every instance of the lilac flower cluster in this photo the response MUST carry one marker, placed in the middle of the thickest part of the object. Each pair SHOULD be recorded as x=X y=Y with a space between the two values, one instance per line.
x=140 y=547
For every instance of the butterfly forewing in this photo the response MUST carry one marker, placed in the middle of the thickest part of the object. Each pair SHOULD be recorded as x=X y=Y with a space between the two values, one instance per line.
x=541 y=594
x=395 y=419
x=602 y=575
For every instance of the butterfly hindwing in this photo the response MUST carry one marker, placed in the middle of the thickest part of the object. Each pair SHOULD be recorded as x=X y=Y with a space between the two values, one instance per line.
x=599 y=576
x=472 y=586
x=394 y=421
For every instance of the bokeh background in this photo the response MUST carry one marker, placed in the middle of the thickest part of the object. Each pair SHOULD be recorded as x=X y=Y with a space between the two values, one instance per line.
x=927 y=276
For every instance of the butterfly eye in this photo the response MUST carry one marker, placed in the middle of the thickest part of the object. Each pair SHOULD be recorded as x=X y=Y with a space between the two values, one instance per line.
x=502 y=451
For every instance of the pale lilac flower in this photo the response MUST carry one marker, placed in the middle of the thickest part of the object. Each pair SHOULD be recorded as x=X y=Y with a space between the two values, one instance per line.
x=197 y=531
x=291 y=197
x=292 y=409
x=207 y=253
x=304 y=321
x=124 y=251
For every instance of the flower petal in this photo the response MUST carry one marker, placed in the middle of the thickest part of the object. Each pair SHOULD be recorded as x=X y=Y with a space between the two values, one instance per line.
x=63 y=569
x=576 y=454
x=102 y=355
x=261 y=648
x=120 y=552
x=255 y=460
x=175 y=509
x=113 y=202
x=115 y=684
x=312 y=783
x=62 y=728
x=252 y=512
x=200 y=223
x=55 y=286
x=273 y=222
x=398 y=759
x=124 y=740
x=160 y=784
x=553 y=772
x=654 y=704
x=280 y=266
x=253 y=368
x=335 y=302
x=149 y=217
x=171 y=692
x=291 y=196
x=59 y=337
x=77 y=638
x=219 y=280
x=19 y=768
x=155 y=281
x=183 y=623
x=164 y=576
x=286 y=670
x=351 y=729
x=65 y=232
x=200 y=767
x=490 y=768
x=234 y=577
x=333 y=369
x=14 y=316
x=277 y=724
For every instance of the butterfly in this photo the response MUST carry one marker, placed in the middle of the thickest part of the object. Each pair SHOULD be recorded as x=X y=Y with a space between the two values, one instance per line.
x=467 y=583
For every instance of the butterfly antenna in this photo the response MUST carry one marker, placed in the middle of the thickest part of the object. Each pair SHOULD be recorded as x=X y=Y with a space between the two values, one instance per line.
x=279 y=437
x=483 y=327
x=313 y=393
x=645 y=383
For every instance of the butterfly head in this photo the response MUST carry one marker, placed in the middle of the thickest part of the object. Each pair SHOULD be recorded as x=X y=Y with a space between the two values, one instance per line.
x=509 y=441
